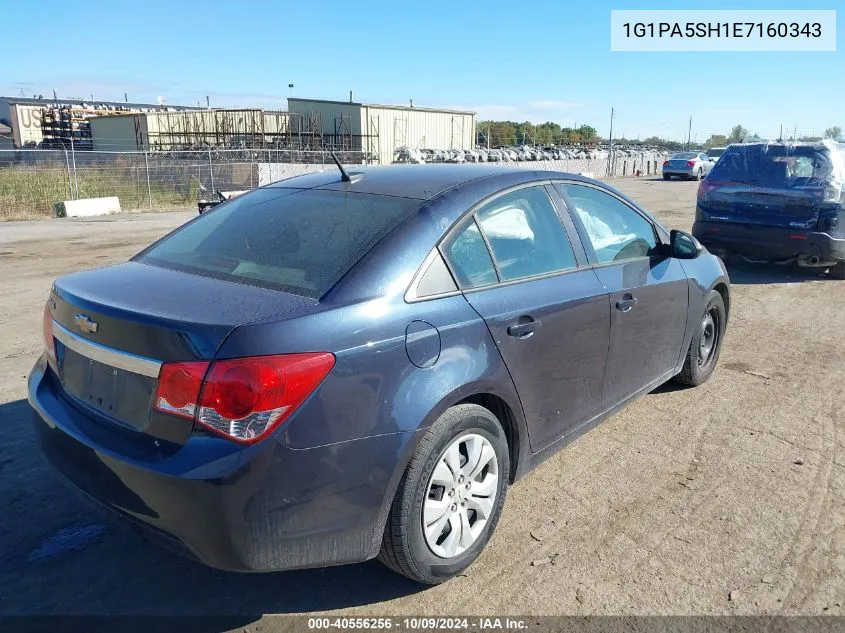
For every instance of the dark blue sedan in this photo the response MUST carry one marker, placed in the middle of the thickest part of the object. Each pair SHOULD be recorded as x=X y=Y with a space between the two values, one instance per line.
x=334 y=368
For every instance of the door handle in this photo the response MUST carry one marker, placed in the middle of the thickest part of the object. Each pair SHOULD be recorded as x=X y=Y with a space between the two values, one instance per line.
x=626 y=303
x=523 y=330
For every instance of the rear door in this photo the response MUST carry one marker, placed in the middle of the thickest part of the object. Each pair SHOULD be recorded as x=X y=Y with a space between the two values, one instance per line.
x=522 y=268
x=649 y=293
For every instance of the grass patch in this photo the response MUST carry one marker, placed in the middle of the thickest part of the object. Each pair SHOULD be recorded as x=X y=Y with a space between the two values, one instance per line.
x=28 y=192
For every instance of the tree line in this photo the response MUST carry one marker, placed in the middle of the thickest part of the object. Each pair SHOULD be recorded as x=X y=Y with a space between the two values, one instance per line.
x=506 y=133
x=739 y=133
x=509 y=133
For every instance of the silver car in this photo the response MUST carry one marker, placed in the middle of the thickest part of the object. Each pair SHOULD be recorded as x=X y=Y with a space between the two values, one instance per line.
x=687 y=165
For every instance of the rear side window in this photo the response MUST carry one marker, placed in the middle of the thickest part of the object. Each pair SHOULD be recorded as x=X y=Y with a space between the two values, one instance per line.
x=470 y=259
x=300 y=242
x=525 y=234
x=775 y=166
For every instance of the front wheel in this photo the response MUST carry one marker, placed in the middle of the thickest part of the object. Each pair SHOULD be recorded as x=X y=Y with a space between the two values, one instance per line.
x=703 y=353
x=450 y=497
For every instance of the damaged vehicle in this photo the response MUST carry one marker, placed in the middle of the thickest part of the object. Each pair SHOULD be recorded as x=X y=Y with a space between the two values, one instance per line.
x=342 y=366
x=776 y=202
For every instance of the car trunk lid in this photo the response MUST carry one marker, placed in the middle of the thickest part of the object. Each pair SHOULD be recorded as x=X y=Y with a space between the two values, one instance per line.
x=679 y=164
x=113 y=327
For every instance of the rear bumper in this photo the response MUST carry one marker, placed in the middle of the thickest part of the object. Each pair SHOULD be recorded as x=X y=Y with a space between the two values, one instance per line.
x=260 y=508
x=688 y=171
x=768 y=243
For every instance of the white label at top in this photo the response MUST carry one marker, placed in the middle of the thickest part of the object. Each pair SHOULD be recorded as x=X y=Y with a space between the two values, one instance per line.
x=723 y=30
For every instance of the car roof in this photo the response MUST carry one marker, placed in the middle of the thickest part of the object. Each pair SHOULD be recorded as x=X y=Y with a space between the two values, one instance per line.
x=406 y=181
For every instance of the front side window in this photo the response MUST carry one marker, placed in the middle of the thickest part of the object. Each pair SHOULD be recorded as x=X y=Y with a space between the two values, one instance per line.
x=525 y=234
x=614 y=229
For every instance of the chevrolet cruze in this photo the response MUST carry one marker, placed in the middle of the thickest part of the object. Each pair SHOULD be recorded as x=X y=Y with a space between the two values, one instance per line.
x=342 y=366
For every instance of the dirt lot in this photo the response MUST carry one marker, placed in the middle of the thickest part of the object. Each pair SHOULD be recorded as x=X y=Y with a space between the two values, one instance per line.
x=726 y=499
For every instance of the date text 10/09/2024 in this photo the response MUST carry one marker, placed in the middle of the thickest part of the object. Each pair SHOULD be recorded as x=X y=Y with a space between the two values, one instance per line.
x=418 y=624
x=737 y=30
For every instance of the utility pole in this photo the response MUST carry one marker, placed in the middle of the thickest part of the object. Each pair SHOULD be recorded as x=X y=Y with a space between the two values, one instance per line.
x=610 y=143
x=689 y=134
x=488 y=135
x=780 y=136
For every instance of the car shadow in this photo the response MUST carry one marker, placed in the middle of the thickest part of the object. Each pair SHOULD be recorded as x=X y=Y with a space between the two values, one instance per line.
x=754 y=274
x=58 y=556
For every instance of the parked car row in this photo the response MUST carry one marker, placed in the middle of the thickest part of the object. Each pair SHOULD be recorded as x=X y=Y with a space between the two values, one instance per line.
x=519 y=153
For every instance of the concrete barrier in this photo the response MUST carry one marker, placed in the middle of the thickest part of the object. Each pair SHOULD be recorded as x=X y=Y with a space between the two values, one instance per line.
x=88 y=207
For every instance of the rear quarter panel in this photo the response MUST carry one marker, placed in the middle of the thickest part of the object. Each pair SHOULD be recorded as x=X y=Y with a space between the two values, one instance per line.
x=374 y=389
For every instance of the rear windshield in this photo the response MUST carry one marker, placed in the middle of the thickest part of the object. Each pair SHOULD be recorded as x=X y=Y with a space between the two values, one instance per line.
x=715 y=152
x=684 y=156
x=300 y=242
x=774 y=165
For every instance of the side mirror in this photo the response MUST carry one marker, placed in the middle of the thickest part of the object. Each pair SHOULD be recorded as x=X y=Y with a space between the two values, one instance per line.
x=682 y=245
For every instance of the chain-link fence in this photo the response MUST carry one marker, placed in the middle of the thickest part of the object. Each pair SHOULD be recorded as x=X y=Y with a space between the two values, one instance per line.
x=33 y=181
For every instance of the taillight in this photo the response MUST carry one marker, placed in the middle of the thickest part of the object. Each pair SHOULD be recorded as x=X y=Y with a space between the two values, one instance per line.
x=179 y=386
x=242 y=399
x=690 y=163
x=665 y=163
x=47 y=332
x=705 y=187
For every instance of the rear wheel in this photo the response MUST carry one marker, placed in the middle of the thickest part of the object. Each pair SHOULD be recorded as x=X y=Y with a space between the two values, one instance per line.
x=666 y=176
x=703 y=353
x=450 y=497
x=838 y=271
x=698 y=175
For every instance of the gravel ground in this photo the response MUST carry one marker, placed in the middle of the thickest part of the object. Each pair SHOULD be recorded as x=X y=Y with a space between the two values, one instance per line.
x=725 y=499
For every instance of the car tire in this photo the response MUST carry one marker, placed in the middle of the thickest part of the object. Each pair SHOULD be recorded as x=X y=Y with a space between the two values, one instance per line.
x=714 y=319
x=666 y=177
x=838 y=271
x=698 y=175
x=407 y=547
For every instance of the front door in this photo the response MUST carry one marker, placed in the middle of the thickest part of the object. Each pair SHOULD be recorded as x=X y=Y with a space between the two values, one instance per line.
x=649 y=292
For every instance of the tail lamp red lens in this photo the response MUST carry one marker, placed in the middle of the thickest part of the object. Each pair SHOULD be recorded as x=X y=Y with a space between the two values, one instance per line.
x=242 y=399
x=690 y=163
x=47 y=332
x=665 y=163
x=706 y=187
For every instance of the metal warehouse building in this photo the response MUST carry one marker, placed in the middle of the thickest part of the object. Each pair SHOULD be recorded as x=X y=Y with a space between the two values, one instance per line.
x=190 y=130
x=380 y=129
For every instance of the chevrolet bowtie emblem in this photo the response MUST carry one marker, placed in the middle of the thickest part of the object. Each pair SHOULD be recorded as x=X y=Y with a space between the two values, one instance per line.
x=85 y=324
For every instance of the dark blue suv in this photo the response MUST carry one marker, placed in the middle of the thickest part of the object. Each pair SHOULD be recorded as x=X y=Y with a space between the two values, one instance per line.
x=776 y=202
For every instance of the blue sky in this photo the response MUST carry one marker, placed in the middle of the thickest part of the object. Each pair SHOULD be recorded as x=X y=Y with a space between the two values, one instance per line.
x=524 y=60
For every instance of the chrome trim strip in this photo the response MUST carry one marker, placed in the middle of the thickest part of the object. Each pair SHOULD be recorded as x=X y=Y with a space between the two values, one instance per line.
x=107 y=355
